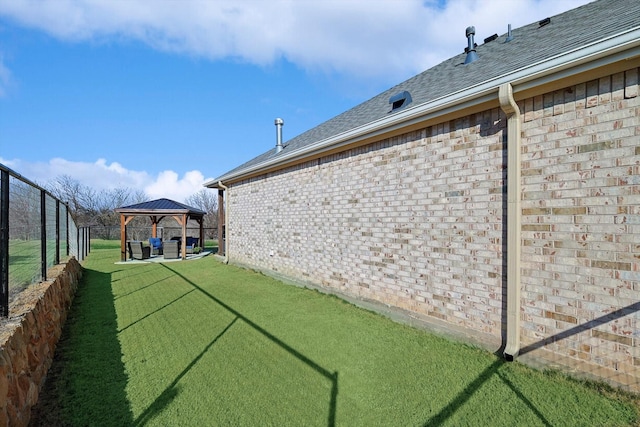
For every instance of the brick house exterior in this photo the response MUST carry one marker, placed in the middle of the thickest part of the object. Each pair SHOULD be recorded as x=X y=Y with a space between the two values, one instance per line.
x=413 y=209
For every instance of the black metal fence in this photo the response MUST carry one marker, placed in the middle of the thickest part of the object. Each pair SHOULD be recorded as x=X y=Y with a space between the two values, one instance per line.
x=36 y=233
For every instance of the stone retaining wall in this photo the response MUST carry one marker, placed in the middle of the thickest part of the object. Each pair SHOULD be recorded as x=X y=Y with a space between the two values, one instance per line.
x=28 y=339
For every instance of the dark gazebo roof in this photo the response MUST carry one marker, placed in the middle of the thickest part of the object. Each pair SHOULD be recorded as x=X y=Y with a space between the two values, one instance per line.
x=156 y=210
x=160 y=207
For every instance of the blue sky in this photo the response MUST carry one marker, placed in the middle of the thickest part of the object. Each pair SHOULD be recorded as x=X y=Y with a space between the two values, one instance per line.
x=162 y=96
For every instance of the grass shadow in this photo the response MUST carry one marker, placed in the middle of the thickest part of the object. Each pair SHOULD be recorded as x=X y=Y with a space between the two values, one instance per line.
x=466 y=394
x=159 y=309
x=142 y=288
x=525 y=400
x=331 y=376
x=86 y=382
x=462 y=397
x=169 y=393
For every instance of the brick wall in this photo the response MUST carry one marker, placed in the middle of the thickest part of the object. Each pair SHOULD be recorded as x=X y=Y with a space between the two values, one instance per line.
x=581 y=222
x=419 y=222
x=415 y=221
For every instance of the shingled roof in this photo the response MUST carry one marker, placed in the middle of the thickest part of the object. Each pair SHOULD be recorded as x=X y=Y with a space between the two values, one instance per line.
x=159 y=207
x=567 y=36
x=157 y=210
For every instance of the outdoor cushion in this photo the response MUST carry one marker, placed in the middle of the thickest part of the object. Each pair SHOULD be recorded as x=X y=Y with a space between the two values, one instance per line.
x=192 y=243
x=156 y=245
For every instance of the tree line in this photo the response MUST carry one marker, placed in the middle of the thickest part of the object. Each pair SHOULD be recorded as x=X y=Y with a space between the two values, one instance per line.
x=96 y=208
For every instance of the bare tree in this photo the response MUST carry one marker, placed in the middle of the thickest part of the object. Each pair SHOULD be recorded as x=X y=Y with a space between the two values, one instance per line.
x=75 y=195
x=103 y=204
x=24 y=211
x=206 y=200
x=69 y=190
x=95 y=208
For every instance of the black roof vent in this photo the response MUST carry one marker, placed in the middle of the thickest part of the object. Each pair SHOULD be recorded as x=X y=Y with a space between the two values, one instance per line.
x=400 y=100
x=491 y=38
x=544 y=22
x=470 y=50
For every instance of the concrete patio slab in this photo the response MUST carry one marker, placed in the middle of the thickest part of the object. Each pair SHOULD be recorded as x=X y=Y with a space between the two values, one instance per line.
x=160 y=258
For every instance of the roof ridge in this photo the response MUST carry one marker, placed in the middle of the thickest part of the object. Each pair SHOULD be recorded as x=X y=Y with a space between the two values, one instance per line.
x=565 y=32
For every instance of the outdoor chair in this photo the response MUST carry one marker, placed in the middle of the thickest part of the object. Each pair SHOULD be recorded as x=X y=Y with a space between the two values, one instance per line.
x=171 y=249
x=156 y=245
x=138 y=251
x=192 y=243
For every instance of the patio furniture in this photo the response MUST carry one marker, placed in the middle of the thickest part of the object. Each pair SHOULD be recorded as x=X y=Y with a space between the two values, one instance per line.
x=138 y=251
x=192 y=243
x=156 y=245
x=171 y=249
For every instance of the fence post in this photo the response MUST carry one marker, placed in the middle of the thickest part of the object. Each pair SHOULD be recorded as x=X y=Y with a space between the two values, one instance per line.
x=78 y=230
x=66 y=238
x=26 y=196
x=4 y=243
x=43 y=234
x=57 y=260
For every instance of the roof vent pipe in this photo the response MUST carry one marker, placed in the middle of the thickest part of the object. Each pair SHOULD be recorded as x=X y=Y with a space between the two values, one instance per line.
x=471 y=47
x=279 y=123
x=509 y=35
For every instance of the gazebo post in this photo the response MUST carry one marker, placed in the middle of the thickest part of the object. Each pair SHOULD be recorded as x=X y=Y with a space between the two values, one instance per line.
x=123 y=237
x=124 y=220
x=184 y=236
x=154 y=226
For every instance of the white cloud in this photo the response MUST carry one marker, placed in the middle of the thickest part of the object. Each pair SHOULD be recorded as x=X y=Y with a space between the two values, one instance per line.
x=102 y=175
x=169 y=185
x=362 y=38
x=359 y=37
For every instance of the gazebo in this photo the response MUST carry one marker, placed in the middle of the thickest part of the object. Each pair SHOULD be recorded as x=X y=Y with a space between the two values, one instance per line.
x=156 y=210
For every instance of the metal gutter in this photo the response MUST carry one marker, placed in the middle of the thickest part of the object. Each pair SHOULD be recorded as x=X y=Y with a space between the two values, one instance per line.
x=514 y=219
x=226 y=221
x=624 y=45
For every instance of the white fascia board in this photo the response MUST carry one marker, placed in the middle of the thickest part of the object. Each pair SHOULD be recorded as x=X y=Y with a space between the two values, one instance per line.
x=621 y=46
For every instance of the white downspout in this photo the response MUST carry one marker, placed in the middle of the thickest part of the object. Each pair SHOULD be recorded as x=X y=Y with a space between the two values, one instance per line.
x=226 y=221
x=510 y=108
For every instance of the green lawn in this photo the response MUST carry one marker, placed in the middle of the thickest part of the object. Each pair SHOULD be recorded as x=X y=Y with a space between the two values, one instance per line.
x=24 y=263
x=197 y=343
x=25 y=266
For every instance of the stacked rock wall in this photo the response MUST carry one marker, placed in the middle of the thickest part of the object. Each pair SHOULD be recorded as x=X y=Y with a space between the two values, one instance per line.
x=28 y=339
